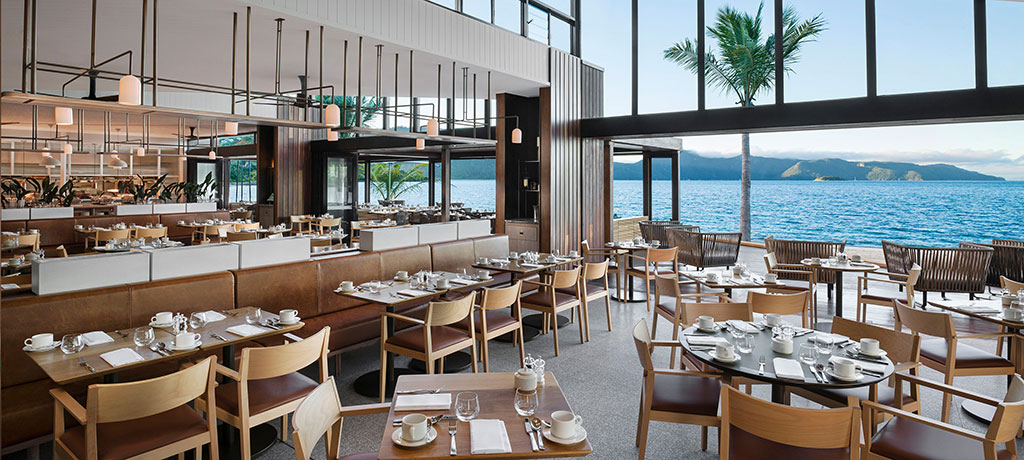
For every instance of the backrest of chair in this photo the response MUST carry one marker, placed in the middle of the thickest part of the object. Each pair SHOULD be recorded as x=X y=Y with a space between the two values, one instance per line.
x=642 y=340
x=1011 y=285
x=900 y=346
x=1009 y=415
x=962 y=269
x=1015 y=243
x=662 y=255
x=770 y=261
x=782 y=424
x=782 y=304
x=242 y=236
x=913 y=274
x=333 y=222
x=296 y=219
x=897 y=258
x=793 y=251
x=565 y=278
x=247 y=226
x=445 y=313
x=143 y=232
x=30 y=239
x=688 y=243
x=119 y=402
x=666 y=285
x=316 y=242
x=107 y=235
x=595 y=270
x=319 y=412
x=721 y=311
x=652 y=230
x=218 y=230
x=931 y=323
x=241 y=214
x=497 y=298
x=269 y=362
x=21 y=278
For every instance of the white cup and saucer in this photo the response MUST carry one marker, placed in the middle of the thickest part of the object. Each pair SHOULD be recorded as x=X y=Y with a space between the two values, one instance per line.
x=40 y=342
x=869 y=347
x=162 y=319
x=845 y=370
x=725 y=352
x=1015 y=315
x=771 y=278
x=772 y=319
x=288 y=317
x=402 y=275
x=551 y=259
x=347 y=286
x=186 y=341
x=512 y=255
x=713 y=277
x=856 y=258
x=566 y=428
x=706 y=323
x=414 y=432
x=442 y=283
x=815 y=261
x=483 y=275
x=482 y=261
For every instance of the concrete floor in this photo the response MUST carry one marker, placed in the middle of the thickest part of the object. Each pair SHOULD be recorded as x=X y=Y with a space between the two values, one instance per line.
x=602 y=380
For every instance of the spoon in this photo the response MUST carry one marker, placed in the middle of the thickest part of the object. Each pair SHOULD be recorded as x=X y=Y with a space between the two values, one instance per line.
x=821 y=370
x=537 y=427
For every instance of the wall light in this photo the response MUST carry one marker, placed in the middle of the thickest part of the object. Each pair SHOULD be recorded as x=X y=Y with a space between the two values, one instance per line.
x=213 y=155
x=67 y=149
x=332 y=135
x=117 y=163
x=517 y=136
x=139 y=151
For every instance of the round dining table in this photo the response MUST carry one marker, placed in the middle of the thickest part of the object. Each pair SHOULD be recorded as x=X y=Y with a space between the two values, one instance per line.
x=839 y=268
x=748 y=366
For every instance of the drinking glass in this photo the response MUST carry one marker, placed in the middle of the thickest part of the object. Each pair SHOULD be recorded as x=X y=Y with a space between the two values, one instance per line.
x=808 y=354
x=735 y=332
x=526 y=402
x=467 y=406
x=72 y=343
x=824 y=346
x=253 y=316
x=197 y=320
x=744 y=344
x=143 y=336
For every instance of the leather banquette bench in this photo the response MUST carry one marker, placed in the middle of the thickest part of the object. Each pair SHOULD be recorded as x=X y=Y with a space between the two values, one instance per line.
x=27 y=409
x=56 y=232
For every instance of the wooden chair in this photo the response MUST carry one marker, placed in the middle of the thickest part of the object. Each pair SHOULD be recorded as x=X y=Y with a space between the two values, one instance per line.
x=1014 y=287
x=300 y=222
x=268 y=384
x=593 y=286
x=723 y=310
x=29 y=239
x=943 y=352
x=591 y=255
x=58 y=251
x=903 y=349
x=905 y=282
x=704 y=250
x=491 y=323
x=242 y=236
x=674 y=309
x=549 y=300
x=247 y=226
x=673 y=396
x=910 y=435
x=323 y=226
x=650 y=268
x=147 y=419
x=354 y=230
x=150 y=233
x=433 y=337
x=781 y=304
x=103 y=236
x=319 y=243
x=755 y=428
x=235 y=215
x=791 y=252
x=321 y=414
x=794 y=272
x=216 y=231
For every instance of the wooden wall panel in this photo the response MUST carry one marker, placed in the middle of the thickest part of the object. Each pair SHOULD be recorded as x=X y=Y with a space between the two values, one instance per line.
x=595 y=205
x=292 y=165
x=561 y=154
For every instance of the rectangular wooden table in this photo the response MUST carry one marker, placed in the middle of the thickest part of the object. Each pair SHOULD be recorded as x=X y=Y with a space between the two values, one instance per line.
x=518 y=270
x=496 y=394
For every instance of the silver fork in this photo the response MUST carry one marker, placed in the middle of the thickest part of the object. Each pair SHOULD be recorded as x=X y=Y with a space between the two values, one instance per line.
x=81 y=362
x=760 y=367
x=451 y=431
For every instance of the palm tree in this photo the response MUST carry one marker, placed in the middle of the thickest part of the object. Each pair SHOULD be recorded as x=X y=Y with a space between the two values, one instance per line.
x=391 y=180
x=371 y=109
x=745 y=66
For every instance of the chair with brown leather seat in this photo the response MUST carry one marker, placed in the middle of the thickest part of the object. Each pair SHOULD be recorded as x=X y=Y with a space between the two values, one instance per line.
x=905 y=282
x=148 y=419
x=672 y=396
x=592 y=255
x=912 y=436
x=723 y=310
x=797 y=272
x=320 y=414
x=943 y=351
x=491 y=323
x=150 y=233
x=593 y=286
x=902 y=348
x=29 y=239
x=268 y=384
x=673 y=310
x=324 y=226
x=1014 y=287
x=433 y=337
x=755 y=428
x=220 y=232
x=550 y=301
x=782 y=304
x=650 y=268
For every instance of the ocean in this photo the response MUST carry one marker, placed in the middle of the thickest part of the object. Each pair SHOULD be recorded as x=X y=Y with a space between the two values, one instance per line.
x=930 y=213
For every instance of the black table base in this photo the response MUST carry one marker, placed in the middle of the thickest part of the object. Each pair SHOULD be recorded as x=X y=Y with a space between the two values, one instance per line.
x=536 y=321
x=261 y=438
x=529 y=333
x=839 y=293
x=368 y=384
x=455 y=362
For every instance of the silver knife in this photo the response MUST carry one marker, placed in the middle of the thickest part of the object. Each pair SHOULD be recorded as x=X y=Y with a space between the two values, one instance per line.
x=218 y=337
x=529 y=432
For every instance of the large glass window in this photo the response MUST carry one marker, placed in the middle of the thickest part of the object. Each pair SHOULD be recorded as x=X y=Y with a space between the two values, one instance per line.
x=473 y=183
x=480 y=9
x=925 y=45
x=400 y=180
x=716 y=96
x=537 y=24
x=508 y=14
x=561 y=34
x=1005 y=41
x=565 y=6
x=338 y=194
x=832 y=64
x=242 y=181
x=445 y=3
x=664 y=86
x=607 y=38
x=628 y=189
x=661 y=188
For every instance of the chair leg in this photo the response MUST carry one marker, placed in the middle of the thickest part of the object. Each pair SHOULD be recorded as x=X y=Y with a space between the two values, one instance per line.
x=244 y=437
x=181 y=455
x=522 y=348
x=472 y=352
x=643 y=433
x=654 y=326
x=675 y=337
x=608 y=309
x=583 y=332
x=647 y=292
x=554 y=326
x=284 y=428
x=440 y=364
x=640 y=418
x=586 y=319
x=704 y=438
x=383 y=371
x=430 y=364
x=947 y=400
x=483 y=351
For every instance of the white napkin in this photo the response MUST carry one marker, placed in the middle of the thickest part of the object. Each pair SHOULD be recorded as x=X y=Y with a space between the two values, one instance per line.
x=245 y=330
x=788 y=369
x=743 y=326
x=121 y=356
x=704 y=340
x=824 y=336
x=979 y=307
x=414 y=292
x=212 y=316
x=488 y=437
x=461 y=281
x=441 y=401
x=873 y=367
x=9 y=286
x=96 y=338
x=530 y=265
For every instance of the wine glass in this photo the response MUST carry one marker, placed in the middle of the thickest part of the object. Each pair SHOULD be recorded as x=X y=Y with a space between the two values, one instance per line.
x=824 y=346
x=143 y=336
x=72 y=343
x=197 y=320
x=744 y=343
x=808 y=354
x=253 y=316
x=526 y=402
x=467 y=406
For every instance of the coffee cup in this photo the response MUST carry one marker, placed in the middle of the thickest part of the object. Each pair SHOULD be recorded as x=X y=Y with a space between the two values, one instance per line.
x=737 y=271
x=1008 y=299
x=513 y=255
x=564 y=424
x=402 y=275
x=442 y=283
x=288 y=316
x=713 y=277
x=79 y=226
x=526 y=380
x=551 y=259
x=706 y=322
x=845 y=367
x=414 y=427
x=347 y=286
x=574 y=254
x=724 y=350
x=39 y=341
x=815 y=261
x=869 y=346
x=638 y=240
x=163 y=317
x=773 y=319
x=856 y=258
x=483 y=274
x=1013 y=314
x=186 y=340
x=771 y=278
x=782 y=345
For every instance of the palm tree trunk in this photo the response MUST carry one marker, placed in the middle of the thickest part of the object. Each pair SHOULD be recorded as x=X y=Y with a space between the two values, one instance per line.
x=745 y=188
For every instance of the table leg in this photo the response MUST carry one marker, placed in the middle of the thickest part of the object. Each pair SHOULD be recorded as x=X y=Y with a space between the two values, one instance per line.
x=626 y=282
x=839 y=293
x=985 y=412
x=779 y=395
x=261 y=437
x=368 y=384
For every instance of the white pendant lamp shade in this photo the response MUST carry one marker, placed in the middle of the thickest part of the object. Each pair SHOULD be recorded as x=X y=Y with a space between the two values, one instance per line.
x=332 y=115
x=213 y=155
x=517 y=136
x=129 y=91
x=118 y=163
x=48 y=161
x=230 y=128
x=139 y=151
x=332 y=135
x=67 y=149
x=421 y=144
x=433 y=127
x=63 y=116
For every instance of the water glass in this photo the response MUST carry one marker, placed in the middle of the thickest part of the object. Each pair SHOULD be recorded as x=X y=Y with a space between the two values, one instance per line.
x=526 y=402
x=744 y=344
x=467 y=406
x=197 y=320
x=72 y=343
x=143 y=336
x=824 y=346
x=808 y=353
x=253 y=316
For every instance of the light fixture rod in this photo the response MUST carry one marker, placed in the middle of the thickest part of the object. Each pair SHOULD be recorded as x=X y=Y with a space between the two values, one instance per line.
x=323 y=116
x=155 y=80
x=35 y=44
x=26 y=6
x=277 y=60
x=234 y=52
x=465 y=88
x=344 y=83
x=305 y=81
x=359 y=84
x=396 y=91
x=412 y=98
x=142 y=54
x=248 y=55
x=474 y=104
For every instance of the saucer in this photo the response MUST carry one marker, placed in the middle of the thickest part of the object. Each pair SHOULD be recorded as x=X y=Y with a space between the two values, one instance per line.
x=160 y=325
x=174 y=347
x=1011 y=320
x=881 y=353
x=46 y=348
x=735 y=357
x=396 y=437
x=289 y=323
x=346 y=291
x=712 y=330
x=855 y=378
x=581 y=434
x=401 y=279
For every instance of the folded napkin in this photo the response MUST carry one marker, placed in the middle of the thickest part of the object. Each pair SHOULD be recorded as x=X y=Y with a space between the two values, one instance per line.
x=743 y=326
x=825 y=336
x=9 y=286
x=245 y=330
x=982 y=307
x=461 y=281
x=414 y=292
x=704 y=340
x=212 y=316
x=121 y=356
x=96 y=338
x=441 y=401
x=788 y=369
x=488 y=437
x=10 y=234
x=868 y=366
x=524 y=264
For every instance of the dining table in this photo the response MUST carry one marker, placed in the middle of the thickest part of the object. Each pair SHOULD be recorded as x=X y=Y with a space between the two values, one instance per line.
x=749 y=365
x=727 y=282
x=519 y=268
x=838 y=268
x=394 y=293
x=622 y=248
x=496 y=393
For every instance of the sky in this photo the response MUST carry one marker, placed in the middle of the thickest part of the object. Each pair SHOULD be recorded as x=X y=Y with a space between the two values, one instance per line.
x=923 y=45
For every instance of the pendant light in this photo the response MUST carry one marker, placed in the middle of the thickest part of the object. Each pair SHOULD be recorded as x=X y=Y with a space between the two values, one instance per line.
x=129 y=91
x=117 y=163
x=48 y=161
x=517 y=136
x=213 y=155
x=139 y=151
x=67 y=149
x=433 y=127
x=231 y=128
x=63 y=116
x=421 y=144
x=332 y=135
x=332 y=115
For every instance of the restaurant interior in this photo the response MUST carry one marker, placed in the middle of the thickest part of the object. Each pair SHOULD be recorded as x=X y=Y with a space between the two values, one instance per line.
x=207 y=253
